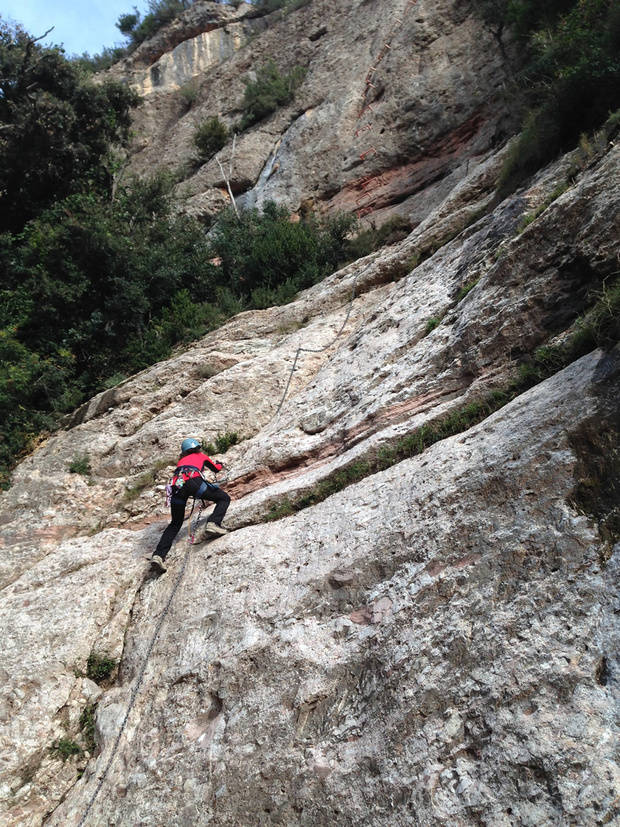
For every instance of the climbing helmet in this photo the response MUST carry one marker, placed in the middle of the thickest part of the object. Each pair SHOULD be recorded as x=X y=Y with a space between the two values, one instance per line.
x=189 y=443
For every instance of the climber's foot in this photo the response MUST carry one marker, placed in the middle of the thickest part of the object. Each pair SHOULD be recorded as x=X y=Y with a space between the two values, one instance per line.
x=215 y=530
x=158 y=564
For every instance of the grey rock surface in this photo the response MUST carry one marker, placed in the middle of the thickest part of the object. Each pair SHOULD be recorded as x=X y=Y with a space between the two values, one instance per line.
x=456 y=678
x=437 y=105
x=437 y=642
x=434 y=644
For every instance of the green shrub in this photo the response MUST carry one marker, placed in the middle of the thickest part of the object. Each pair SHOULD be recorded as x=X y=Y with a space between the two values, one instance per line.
x=600 y=325
x=209 y=137
x=264 y=297
x=222 y=443
x=396 y=228
x=189 y=93
x=57 y=128
x=64 y=748
x=108 y=56
x=138 y=28
x=114 y=380
x=101 y=292
x=279 y=510
x=531 y=217
x=268 y=92
x=99 y=667
x=467 y=288
x=266 y=250
x=569 y=77
x=80 y=465
x=87 y=726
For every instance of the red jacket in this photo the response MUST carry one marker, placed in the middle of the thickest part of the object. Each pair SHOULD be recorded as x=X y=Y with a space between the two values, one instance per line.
x=193 y=461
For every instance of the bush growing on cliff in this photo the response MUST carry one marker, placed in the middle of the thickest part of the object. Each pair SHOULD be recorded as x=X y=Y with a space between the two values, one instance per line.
x=269 y=91
x=80 y=465
x=108 y=287
x=64 y=748
x=569 y=77
x=209 y=137
x=107 y=57
x=267 y=250
x=101 y=279
x=99 y=667
x=138 y=28
x=396 y=228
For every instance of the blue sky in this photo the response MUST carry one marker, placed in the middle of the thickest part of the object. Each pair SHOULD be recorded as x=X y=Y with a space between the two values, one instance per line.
x=79 y=25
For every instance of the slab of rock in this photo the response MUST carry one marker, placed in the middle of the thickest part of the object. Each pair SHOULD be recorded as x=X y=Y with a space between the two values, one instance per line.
x=476 y=694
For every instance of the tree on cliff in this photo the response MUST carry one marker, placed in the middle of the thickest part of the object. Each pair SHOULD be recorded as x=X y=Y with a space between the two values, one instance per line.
x=567 y=76
x=138 y=29
x=56 y=129
x=99 y=281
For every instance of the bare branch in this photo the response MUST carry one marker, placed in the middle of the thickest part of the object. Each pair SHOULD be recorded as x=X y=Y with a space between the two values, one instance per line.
x=227 y=177
x=45 y=34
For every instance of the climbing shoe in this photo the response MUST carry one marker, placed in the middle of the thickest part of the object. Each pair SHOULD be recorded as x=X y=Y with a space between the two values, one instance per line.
x=158 y=564
x=215 y=530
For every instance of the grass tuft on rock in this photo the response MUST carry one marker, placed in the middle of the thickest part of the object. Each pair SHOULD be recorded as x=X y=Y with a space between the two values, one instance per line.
x=222 y=443
x=80 y=465
x=64 y=748
x=87 y=726
x=99 y=667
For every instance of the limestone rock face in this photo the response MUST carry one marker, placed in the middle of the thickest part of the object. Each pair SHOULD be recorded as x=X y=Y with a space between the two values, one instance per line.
x=397 y=101
x=455 y=677
x=199 y=19
x=434 y=643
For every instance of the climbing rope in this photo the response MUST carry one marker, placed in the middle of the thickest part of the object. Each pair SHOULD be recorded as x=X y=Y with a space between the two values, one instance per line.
x=367 y=183
x=302 y=349
x=136 y=688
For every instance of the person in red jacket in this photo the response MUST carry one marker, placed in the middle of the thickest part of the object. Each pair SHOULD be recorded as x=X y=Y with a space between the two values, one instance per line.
x=187 y=482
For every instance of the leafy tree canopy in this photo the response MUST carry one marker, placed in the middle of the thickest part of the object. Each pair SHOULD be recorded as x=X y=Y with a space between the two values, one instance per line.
x=568 y=75
x=56 y=128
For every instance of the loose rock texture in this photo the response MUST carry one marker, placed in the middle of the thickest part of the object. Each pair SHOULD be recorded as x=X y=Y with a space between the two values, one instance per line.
x=436 y=644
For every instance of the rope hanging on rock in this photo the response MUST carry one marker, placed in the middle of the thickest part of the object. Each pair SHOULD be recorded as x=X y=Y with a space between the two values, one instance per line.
x=367 y=183
x=371 y=151
x=136 y=689
x=302 y=349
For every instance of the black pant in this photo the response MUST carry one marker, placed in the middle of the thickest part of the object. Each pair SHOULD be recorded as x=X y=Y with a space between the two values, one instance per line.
x=192 y=488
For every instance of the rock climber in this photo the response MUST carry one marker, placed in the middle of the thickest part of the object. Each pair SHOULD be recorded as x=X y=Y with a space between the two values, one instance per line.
x=187 y=482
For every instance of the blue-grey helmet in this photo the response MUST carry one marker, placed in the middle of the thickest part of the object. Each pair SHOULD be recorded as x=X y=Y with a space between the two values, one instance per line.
x=189 y=444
